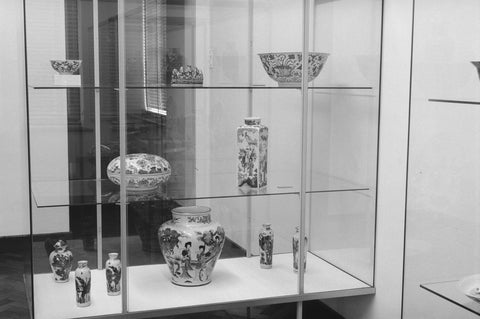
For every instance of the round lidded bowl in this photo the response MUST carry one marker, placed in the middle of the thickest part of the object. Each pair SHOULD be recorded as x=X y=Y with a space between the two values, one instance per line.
x=66 y=67
x=286 y=67
x=143 y=172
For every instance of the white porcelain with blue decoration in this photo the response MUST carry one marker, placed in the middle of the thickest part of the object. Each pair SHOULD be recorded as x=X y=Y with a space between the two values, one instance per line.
x=143 y=172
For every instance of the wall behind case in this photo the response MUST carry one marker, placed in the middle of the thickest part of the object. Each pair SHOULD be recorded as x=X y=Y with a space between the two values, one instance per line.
x=442 y=231
x=14 y=217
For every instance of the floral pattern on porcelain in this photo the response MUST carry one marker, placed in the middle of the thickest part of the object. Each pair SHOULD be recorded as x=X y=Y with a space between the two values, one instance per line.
x=113 y=274
x=187 y=75
x=191 y=246
x=83 y=284
x=296 y=250
x=286 y=67
x=61 y=261
x=252 y=144
x=265 y=242
x=143 y=172
x=66 y=66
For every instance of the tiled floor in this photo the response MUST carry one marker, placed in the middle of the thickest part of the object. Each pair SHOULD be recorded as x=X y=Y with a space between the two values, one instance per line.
x=14 y=252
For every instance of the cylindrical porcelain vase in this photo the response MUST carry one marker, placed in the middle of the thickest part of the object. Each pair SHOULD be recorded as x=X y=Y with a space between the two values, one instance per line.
x=113 y=273
x=191 y=244
x=82 y=284
x=61 y=261
x=296 y=250
x=265 y=241
x=252 y=142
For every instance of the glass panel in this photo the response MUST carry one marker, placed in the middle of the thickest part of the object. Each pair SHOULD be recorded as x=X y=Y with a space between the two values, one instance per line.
x=194 y=125
x=343 y=137
x=341 y=236
x=64 y=125
x=442 y=231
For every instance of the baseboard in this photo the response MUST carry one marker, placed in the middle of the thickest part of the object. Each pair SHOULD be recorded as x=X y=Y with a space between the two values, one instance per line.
x=13 y=243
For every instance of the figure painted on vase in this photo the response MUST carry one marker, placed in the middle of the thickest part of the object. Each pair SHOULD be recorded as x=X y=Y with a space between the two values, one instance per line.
x=252 y=143
x=186 y=261
x=201 y=261
x=265 y=241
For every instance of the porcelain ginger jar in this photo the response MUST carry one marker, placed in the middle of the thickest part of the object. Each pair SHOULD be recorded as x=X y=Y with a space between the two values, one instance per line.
x=191 y=244
x=61 y=261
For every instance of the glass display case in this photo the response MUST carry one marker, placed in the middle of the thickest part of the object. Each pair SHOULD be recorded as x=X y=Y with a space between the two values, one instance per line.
x=442 y=223
x=179 y=153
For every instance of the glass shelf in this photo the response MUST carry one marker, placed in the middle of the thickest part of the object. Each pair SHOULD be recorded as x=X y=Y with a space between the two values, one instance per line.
x=454 y=101
x=448 y=290
x=83 y=192
x=196 y=87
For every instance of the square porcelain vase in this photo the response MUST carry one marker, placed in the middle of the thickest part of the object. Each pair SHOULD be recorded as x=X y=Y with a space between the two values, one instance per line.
x=252 y=141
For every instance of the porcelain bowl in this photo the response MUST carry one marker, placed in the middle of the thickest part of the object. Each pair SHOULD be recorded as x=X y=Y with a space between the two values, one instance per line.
x=143 y=172
x=286 y=67
x=66 y=66
x=187 y=75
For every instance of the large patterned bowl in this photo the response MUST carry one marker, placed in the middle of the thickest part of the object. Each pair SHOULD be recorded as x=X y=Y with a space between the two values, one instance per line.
x=143 y=172
x=66 y=66
x=286 y=67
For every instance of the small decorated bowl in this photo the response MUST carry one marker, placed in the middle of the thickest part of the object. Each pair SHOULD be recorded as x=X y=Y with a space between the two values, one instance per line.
x=188 y=75
x=286 y=67
x=477 y=65
x=143 y=172
x=65 y=67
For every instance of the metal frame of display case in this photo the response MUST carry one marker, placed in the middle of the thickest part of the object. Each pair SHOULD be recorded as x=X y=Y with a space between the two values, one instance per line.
x=300 y=296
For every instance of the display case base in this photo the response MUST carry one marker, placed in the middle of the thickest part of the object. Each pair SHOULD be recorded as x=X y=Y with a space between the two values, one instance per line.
x=235 y=282
x=57 y=300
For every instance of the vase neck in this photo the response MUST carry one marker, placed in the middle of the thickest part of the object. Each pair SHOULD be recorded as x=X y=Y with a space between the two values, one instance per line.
x=191 y=215
x=252 y=120
x=113 y=256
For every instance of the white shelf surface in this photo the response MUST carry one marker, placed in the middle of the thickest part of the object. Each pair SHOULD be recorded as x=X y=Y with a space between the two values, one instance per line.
x=57 y=300
x=233 y=280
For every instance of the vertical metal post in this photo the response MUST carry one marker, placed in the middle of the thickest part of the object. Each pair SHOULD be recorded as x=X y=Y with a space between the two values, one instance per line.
x=122 y=134
x=305 y=43
x=98 y=151
x=299 y=309
x=250 y=113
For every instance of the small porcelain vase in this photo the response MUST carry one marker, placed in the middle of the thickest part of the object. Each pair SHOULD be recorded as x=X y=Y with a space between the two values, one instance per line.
x=252 y=142
x=82 y=284
x=113 y=273
x=61 y=261
x=265 y=241
x=296 y=249
x=191 y=244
